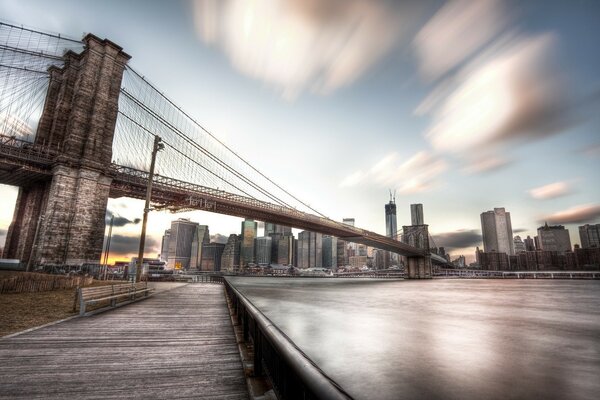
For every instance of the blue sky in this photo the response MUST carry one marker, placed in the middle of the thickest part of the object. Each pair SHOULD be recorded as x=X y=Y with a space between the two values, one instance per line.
x=462 y=106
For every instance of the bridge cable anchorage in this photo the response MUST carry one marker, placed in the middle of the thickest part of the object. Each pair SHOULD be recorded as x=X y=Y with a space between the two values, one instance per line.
x=206 y=131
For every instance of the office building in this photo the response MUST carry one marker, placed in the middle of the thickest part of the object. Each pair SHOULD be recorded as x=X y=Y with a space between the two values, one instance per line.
x=330 y=252
x=310 y=250
x=249 y=228
x=519 y=245
x=285 y=250
x=164 y=247
x=201 y=237
x=416 y=214
x=271 y=228
x=342 y=253
x=391 y=228
x=497 y=231
x=348 y=221
x=262 y=250
x=180 y=243
x=554 y=238
x=230 y=259
x=212 y=256
x=529 y=243
x=589 y=235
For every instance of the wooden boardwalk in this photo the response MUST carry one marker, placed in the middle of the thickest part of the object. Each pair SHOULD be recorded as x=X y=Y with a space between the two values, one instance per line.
x=177 y=344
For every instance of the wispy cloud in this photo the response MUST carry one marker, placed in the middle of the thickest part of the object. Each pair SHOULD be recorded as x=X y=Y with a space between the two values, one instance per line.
x=416 y=174
x=456 y=31
x=485 y=164
x=127 y=245
x=299 y=45
x=120 y=221
x=586 y=213
x=551 y=191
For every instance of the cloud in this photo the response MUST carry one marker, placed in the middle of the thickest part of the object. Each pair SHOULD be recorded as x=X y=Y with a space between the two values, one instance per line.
x=591 y=151
x=456 y=31
x=3 y=231
x=486 y=164
x=551 y=191
x=520 y=230
x=417 y=174
x=124 y=245
x=511 y=93
x=119 y=221
x=299 y=45
x=459 y=239
x=586 y=213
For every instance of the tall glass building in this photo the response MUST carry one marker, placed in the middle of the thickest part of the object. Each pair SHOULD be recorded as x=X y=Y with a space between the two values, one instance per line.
x=249 y=227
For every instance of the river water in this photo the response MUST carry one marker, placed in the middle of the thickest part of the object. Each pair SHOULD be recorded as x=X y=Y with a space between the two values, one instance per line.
x=442 y=339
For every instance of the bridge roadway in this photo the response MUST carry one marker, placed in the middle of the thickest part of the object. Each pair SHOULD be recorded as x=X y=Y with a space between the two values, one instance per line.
x=176 y=344
x=22 y=161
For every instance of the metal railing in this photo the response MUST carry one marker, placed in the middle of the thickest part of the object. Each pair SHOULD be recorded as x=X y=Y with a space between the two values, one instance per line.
x=292 y=374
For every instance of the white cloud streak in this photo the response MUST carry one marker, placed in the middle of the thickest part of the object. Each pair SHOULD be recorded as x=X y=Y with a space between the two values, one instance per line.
x=299 y=45
x=550 y=191
x=416 y=174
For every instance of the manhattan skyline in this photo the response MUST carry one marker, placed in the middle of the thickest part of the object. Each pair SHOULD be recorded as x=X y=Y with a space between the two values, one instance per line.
x=343 y=101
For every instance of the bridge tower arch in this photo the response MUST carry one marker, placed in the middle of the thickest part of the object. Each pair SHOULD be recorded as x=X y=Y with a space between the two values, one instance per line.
x=418 y=267
x=61 y=220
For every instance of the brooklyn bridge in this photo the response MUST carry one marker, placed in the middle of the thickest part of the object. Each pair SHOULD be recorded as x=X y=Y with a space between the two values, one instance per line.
x=77 y=126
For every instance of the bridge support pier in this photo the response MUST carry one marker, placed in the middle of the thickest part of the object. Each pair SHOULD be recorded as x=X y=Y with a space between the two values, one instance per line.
x=419 y=267
x=62 y=220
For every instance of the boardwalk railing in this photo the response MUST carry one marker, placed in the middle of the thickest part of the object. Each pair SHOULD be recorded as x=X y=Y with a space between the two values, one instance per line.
x=31 y=282
x=292 y=373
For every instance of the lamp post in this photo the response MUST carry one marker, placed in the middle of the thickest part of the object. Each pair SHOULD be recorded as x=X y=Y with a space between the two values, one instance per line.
x=158 y=145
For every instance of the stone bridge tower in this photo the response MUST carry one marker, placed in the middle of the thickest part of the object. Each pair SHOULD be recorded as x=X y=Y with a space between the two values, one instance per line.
x=61 y=220
x=417 y=235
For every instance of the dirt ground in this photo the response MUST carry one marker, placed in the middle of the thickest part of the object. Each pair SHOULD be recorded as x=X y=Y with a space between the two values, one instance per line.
x=20 y=311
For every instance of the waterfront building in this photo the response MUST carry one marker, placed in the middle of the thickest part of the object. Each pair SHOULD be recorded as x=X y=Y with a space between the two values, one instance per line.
x=212 y=256
x=262 y=250
x=180 y=243
x=357 y=262
x=330 y=252
x=416 y=214
x=342 y=253
x=285 y=250
x=519 y=245
x=362 y=250
x=201 y=237
x=310 y=250
x=529 y=243
x=589 y=235
x=496 y=228
x=492 y=261
x=249 y=228
x=230 y=259
x=164 y=247
x=554 y=238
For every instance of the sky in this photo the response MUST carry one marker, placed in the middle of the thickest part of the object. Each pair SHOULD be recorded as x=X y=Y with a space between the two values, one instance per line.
x=462 y=106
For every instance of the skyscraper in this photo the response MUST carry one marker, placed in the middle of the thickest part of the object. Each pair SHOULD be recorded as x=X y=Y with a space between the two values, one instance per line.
x=263 y=250
x=271 y=228
x=497 y=231
x=391 y=227
x=249 y=227
x=589 y=235
x=416 y=214
x=519 y=245
x=230 y=259
x=285 y=250
x=211 y=256
x=164 y=248
x=529 y=243
x=330 y=252
x=554 y=238
x=180 y=243
x=310 y=250
x=201 y=237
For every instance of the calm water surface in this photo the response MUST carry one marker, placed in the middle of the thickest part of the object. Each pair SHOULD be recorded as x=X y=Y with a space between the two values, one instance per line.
x=442 y=339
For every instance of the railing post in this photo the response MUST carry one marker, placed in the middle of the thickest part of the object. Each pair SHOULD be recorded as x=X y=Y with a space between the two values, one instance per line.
x=81 y=303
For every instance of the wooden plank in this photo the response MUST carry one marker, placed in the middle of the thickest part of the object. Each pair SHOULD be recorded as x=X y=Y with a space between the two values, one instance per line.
x=177 y=344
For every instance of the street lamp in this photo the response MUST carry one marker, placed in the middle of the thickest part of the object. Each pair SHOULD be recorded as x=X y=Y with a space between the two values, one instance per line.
x=158 y=145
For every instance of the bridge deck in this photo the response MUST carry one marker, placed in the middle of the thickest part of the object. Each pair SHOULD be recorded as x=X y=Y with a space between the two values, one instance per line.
x=177 y=344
